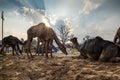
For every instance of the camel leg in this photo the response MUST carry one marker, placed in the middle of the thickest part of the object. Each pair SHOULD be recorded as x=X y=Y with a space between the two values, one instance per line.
x=28 y=45
x=19 y=49
x=22 y=49
x=13 y=48
x=27 y=55
x=2 y=50
x=50 y=48
x=30 y=54
x=46 y=49
x=51 y=52
x=43 y=48
x=37 y=49
x=26 y=51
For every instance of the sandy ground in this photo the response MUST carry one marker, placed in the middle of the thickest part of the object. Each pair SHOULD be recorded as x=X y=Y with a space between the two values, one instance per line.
x=61 y=67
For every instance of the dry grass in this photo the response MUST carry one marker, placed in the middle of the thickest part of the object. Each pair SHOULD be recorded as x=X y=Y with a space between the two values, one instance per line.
x=61 y=67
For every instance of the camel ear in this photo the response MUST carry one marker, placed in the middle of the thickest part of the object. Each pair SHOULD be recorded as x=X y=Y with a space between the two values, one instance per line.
x=74 y=39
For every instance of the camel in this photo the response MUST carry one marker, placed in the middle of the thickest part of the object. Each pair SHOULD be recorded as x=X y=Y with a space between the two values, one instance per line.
x=45 y=34
x=97 y=49
x=117 y=35
x=12 y=42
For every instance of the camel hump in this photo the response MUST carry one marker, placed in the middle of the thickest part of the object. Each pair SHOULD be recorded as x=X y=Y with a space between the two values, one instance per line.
x=42 y=24
x=10 y=36
x=99 y=38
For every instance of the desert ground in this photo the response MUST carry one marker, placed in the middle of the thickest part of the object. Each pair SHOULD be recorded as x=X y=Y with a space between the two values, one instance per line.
x=61 y=67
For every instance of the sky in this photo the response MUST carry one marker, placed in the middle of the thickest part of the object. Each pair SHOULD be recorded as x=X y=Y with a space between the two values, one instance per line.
x=85 y=17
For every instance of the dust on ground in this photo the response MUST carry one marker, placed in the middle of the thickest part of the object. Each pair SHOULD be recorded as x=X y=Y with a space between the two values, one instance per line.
x=61 y=67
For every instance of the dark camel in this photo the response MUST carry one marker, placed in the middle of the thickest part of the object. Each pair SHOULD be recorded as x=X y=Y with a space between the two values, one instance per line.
x=45 y=34
x=97 y=49
x=12 y=42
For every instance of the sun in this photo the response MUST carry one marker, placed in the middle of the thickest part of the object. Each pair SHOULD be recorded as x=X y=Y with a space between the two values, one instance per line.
x=44 y=20
x=49 y=20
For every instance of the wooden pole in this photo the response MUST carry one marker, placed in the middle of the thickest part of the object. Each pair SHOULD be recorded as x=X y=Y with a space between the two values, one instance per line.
x=2 y=30
x=2 y=17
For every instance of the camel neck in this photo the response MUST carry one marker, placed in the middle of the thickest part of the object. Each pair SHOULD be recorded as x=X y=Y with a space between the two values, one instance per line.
x=77 y=46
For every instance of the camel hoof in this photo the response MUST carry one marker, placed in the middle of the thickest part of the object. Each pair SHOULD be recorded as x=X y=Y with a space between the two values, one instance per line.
x=32 y=56
x=52 y=57
x=47 y=56
x=3 y=54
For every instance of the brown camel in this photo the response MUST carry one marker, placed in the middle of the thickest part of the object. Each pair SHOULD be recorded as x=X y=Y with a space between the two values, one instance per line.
x=117 y=35
x=98 y=49
x=44 y=33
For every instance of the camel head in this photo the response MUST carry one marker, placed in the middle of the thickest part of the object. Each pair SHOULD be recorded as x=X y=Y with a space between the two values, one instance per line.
x=63 y=49
x=74 y=40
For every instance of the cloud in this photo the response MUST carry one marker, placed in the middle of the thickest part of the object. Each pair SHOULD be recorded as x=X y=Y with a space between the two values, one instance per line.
x=14 y=4
x=35 y=4
x=23 y=16
x=33 y=16
x=104 y=28
x=85 y=23
x=8 y=5
x=89 y=5
x=86 y=17
x=16 y=33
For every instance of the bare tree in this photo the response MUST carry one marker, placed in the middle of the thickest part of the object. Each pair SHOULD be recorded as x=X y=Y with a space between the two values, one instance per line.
x=64 y=33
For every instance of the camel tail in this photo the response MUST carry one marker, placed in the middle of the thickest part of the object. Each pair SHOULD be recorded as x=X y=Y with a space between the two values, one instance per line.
x=61 y=46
